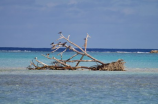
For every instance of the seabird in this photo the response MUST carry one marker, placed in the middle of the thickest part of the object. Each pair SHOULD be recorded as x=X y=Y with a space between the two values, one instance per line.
x=36 y=58
x=47 y=54
x=64 y=43
x=52 y=43
x=69 y=47
x=60 y=44
x=60 y=32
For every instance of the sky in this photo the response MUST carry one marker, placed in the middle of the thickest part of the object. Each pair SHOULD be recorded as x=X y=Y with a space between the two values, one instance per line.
x=110 y=23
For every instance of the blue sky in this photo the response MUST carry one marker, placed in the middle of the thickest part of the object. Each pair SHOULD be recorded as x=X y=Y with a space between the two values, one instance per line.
x=110 y=23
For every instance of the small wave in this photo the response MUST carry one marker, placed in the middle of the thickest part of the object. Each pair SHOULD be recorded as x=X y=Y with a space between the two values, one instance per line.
x=130 y=52
x=70 y=51
x=142 y=52
x=123 y=52
x=115 y=52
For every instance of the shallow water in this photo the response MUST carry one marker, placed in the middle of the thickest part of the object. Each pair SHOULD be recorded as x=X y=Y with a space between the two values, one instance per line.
x=79 y=87
x=137 y=85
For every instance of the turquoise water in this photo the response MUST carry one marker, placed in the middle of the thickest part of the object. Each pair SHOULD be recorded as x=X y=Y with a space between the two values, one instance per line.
x=137 y=85
x=133 y=60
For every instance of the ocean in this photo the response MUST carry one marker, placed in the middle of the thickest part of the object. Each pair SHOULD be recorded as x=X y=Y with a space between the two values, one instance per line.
x=137 y=85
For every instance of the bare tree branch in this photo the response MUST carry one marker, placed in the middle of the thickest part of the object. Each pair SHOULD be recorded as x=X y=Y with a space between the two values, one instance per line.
x=85 y=44
x=61 y=62
x=62 y=37
x=41 y=62
x=79 y=61
x=72 y=57
x=55 y=49
x=63 y=51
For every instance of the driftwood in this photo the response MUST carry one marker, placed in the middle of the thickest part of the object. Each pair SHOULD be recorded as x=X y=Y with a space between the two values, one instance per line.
x=60 y=64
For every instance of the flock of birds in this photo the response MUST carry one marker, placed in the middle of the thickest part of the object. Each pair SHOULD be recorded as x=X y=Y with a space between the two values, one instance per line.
x=59 y=44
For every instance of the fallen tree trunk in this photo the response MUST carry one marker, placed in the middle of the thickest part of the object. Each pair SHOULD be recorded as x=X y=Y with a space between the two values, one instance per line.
x=113 y=66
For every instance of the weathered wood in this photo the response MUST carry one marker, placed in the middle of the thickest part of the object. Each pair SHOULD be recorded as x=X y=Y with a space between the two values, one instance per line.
x=62 y=64
x=79 y=61
x=62 y=37
x=85 y=44
x=55 y=49
x=72 y=57
x=84 y=53
x=46 y=56
x=113 y=66
x=33 y=64
x=58 y=68
x=41 y=62
x=73 y=49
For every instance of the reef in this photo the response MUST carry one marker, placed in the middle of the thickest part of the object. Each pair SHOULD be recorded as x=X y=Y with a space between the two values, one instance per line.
x=154 y=51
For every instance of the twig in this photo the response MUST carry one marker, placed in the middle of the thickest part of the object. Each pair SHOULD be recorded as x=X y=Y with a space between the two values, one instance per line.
x=55 y=49
x=85 y=44
x=61 y=62
x=63 y=51
x=72 y=57
x=84 y=53
x=79 y=61
x=41 y=63
x=62 y=37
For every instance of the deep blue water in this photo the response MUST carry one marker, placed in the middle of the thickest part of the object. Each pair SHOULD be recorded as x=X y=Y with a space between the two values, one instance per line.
x=88 y=49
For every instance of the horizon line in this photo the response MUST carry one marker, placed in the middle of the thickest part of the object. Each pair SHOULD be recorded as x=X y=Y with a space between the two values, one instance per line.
x=83 y=48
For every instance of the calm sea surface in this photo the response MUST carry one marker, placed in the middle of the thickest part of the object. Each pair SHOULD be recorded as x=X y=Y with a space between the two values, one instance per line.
x=137 y=85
